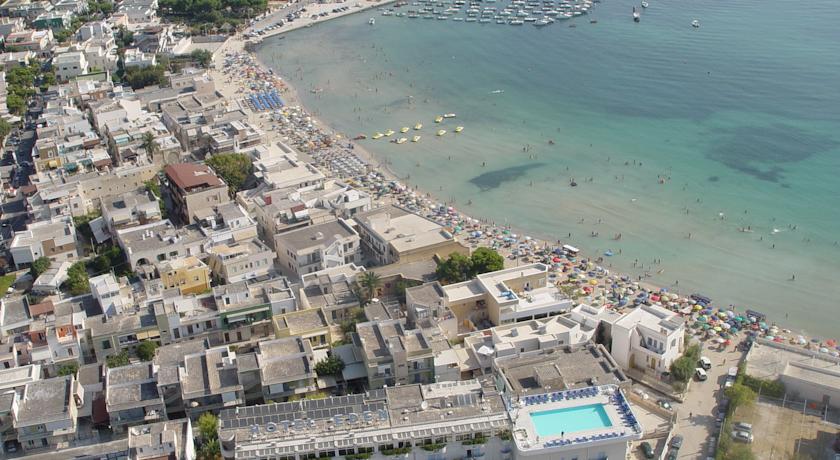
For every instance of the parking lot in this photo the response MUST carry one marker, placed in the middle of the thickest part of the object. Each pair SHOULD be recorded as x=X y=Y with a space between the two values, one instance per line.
x=782 y=432
x=696 y=415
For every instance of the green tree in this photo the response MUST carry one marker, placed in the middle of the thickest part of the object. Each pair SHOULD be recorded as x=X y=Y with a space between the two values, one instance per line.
x=234 y=168
x=359 y=293
x=203 y=57
x=77 y=279
x=331 y=365
x=485 y=260
x=101 y=264
x=740 y=396
x=208 y=437
x=68 y=369
x=370 y=281
x=150 y=144
x=5 y=129
x=454 y=269
x=210 y=450
x=146 y=350
x=16 y=104
x=40 y=265
x=139 y=77
x=124 y=37
x=118 y=360
x=208 y=425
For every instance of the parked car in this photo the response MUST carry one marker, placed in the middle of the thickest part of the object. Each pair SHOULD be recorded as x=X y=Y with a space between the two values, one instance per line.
x=741 y=426
x=676 y=442
x=742 y=436
x=646 y=449
x=672 y=454
x=663 y=403
x=705 y=363
x=641 y=393
x=700 y=374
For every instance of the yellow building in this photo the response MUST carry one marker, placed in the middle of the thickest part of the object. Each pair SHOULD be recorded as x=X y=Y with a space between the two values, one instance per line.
x=189 y=274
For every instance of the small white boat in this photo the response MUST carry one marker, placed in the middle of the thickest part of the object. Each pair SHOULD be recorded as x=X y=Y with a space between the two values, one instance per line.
x=449 y=115
x=371 y=21
x=441 y=132
x=695 y=23
x=636 y=16
x=402 y=140
x=645 y=4
x=415 y=139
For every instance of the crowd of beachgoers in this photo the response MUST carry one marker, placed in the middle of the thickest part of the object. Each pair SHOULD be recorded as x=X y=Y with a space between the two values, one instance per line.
x=585 y=279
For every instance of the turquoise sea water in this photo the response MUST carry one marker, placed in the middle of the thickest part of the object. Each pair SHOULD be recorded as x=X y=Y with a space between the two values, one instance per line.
x=570 y=420
x=662 y=126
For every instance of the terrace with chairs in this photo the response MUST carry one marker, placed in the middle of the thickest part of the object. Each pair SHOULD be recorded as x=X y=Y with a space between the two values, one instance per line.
x=617 y=424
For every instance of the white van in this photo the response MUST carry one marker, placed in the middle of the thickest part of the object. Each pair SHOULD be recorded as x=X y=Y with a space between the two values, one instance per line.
x=700 y=374
x=705 y=363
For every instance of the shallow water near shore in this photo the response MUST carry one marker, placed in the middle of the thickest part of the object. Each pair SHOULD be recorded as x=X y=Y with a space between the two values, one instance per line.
x=663 y=127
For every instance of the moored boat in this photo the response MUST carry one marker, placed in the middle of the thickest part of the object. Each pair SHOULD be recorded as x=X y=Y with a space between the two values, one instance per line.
x=441 y=132
x=390 y=132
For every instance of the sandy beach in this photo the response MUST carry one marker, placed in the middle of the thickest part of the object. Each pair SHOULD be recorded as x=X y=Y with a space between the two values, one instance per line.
x=237 y=72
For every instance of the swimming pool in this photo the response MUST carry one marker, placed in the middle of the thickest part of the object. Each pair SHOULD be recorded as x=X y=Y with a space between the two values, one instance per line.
x=570 y=420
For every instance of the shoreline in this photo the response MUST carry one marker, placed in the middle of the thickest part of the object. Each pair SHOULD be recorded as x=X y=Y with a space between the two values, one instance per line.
x=424 y=199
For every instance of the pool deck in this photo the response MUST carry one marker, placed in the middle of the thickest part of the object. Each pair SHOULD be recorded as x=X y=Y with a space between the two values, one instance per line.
x=624 y=424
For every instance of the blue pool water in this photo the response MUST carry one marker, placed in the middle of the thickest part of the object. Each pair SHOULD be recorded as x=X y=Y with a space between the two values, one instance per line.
x=570 y=420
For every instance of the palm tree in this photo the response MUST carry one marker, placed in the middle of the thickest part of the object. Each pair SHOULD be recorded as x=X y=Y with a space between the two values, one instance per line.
x=149 y=144
x=370 y=281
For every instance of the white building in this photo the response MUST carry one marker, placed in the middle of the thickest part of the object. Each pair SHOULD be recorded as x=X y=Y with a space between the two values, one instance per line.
x=55 y=239
x=112 y=295
x=70 y=65
x=315 y=248
x=134 y=57
x=240 y=261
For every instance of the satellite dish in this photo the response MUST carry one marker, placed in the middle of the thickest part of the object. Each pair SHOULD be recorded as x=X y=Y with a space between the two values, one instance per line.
x=424 y=405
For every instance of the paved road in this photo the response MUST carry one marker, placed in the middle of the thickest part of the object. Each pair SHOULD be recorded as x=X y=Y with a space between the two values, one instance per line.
x=697 y=413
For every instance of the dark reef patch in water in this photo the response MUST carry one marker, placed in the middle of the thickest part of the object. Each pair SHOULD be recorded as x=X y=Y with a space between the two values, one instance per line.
x=493 y=179
x=762 y=151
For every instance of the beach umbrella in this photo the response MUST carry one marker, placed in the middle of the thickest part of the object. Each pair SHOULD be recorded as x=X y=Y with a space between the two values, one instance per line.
x=831 y=343
x=717 y=329
x=823 y=350
x=706 y=327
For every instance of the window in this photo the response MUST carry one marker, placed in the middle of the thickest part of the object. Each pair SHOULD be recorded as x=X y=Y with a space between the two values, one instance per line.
x=106 y=344
x=176 y=333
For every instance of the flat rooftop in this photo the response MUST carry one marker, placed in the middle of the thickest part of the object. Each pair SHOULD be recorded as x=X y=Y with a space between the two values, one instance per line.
x=560 y=369
x=771 y=361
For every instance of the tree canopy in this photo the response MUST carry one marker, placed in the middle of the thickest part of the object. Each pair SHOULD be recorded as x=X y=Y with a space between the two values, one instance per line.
x=139 y=77
x=458 y=267
x=331 y=365
x=77 y=279
x=370 y=281
x=234 y=168
x=146 y=350
x=208 y=436
x=38 y=267
x=203 y=57
x=118 y=360
x=486 y=260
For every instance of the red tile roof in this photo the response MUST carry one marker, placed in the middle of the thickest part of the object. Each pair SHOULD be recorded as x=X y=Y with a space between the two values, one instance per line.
x=189 y=175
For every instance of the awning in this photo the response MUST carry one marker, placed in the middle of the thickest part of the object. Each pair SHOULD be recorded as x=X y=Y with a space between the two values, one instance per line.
x=145 y=335
x=354 y=371
x=53 y=164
